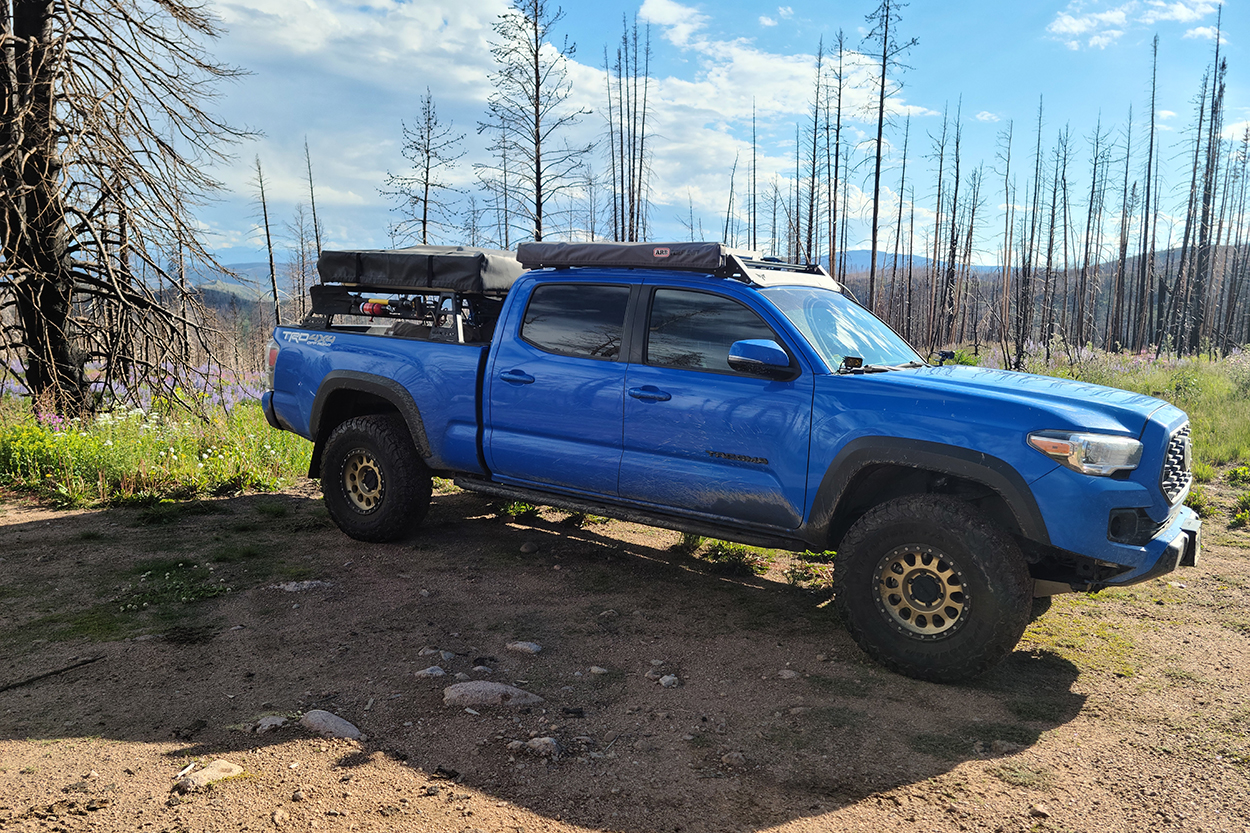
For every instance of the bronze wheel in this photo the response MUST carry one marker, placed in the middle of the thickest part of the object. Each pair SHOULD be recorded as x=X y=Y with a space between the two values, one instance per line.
x=362 y=481
x=377 y=487
x=921 y=590
x=930 y=587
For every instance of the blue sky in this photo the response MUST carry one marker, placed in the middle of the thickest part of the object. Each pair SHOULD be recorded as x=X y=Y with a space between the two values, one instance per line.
x=344 y=76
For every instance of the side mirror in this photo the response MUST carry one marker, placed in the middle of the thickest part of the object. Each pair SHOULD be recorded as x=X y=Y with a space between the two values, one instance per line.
x=761 y=357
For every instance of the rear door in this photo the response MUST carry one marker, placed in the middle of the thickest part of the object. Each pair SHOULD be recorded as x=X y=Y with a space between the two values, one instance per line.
x=555 y=388
x=701 y=436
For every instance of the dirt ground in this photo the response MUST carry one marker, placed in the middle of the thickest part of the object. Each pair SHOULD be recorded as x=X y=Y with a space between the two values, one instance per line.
x=166 y=633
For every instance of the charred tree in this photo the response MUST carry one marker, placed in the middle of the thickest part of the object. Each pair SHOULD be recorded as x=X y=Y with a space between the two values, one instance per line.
x=105 y=148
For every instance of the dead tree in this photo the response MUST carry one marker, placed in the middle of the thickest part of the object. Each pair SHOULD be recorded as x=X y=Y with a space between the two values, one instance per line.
x=432 y=148
x=105 y=151
x=529 y=109
x=891 y=50
x=259 y=182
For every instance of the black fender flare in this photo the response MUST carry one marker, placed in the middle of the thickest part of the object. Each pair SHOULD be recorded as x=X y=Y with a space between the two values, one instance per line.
x=992 y=472
x=379 y=386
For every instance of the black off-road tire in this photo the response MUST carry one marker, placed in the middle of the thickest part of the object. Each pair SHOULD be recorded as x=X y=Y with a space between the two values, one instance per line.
x=931 y=588
x=376 y=486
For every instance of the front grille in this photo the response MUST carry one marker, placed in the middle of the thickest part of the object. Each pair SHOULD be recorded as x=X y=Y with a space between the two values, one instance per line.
x=1176 y=477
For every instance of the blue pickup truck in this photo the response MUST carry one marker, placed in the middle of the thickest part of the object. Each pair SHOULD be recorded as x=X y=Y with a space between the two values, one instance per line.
x=695 y=388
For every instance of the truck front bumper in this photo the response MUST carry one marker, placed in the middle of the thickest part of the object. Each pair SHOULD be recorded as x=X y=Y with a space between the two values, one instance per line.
x=1177 y=545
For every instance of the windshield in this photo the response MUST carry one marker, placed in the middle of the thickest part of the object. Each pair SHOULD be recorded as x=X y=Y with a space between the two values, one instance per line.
x=838 y=327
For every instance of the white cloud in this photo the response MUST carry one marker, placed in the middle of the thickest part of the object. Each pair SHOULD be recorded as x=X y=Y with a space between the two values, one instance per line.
x=1104 y=39
x=1185 y=11
x=786 y=12
x=1067 y=23
x=1237 y=130
x=1164 y=115
x=681 y=21
x=986 y=115
x=1205 y=33
x=765 y=20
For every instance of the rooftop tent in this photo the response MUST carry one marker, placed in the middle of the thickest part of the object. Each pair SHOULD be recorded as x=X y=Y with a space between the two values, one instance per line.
x=455 y=268
x=710 y=257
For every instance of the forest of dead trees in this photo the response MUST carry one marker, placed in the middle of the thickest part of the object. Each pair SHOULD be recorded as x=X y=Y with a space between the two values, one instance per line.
x=1115 y=238
x=1101 y=240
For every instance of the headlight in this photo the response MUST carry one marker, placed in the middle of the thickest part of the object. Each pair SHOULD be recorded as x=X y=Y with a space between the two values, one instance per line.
x=1100 y=454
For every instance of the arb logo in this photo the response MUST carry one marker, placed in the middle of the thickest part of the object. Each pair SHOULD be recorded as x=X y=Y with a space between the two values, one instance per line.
x=661 y=251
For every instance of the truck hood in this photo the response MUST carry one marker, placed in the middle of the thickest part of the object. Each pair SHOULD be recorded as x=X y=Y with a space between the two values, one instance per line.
x=1069 y=403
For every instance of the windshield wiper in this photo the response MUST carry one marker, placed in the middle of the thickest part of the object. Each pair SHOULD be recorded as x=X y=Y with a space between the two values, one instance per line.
x=854 y=365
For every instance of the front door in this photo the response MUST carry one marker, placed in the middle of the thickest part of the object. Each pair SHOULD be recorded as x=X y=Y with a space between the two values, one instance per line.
x=701 y=436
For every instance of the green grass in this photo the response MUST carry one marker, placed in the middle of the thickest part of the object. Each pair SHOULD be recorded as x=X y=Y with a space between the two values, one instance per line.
x=519 y=512
x=1215 y=394
x=736 y=559
x=129 y=456
x=1088 y=642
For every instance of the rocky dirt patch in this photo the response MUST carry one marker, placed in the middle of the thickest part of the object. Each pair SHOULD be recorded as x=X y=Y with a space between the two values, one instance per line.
x=139 y=643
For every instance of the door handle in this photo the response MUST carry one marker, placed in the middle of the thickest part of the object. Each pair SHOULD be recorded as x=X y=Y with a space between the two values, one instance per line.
x=517 y=377
x=650 y=394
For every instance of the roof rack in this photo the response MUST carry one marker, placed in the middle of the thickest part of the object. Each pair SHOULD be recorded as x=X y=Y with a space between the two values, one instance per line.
x=706 y=257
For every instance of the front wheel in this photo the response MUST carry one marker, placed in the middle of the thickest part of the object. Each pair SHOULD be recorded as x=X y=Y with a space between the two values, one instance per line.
x=930 y=588
x=376 y=486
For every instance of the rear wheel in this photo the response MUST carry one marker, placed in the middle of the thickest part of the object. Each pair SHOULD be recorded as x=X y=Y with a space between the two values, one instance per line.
x=376 y=486
x=930 y=588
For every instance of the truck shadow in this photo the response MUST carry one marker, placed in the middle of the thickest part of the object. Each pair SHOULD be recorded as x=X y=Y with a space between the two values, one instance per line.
x=207 y=616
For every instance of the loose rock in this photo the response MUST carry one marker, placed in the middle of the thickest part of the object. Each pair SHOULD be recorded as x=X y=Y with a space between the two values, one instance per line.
x=529 y=548
x=486 y=693
x=670 y=681
x=215 y=771
x=1004 y=747
x=461 y=676
x=598 y=671
x=482 y=669
x=331 y=725
x=1039 y=811
x=733 y=759
x=279 y=816
x=544 y=747
x=427 y=651
x=447 y=656
x=269 y=723
x=432 y=671
x=788 y=674
x=525 y=647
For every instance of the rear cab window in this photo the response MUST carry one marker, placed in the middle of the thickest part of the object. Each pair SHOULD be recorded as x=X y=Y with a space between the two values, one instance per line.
x=580 y=320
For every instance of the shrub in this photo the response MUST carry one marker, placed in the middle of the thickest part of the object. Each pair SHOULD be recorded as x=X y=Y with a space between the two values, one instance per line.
x=1241 y=512
x=689 y=543
x=736 y=559
x=1199 y=502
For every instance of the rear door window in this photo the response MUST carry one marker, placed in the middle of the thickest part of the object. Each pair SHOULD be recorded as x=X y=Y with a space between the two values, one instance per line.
x=580 y=320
